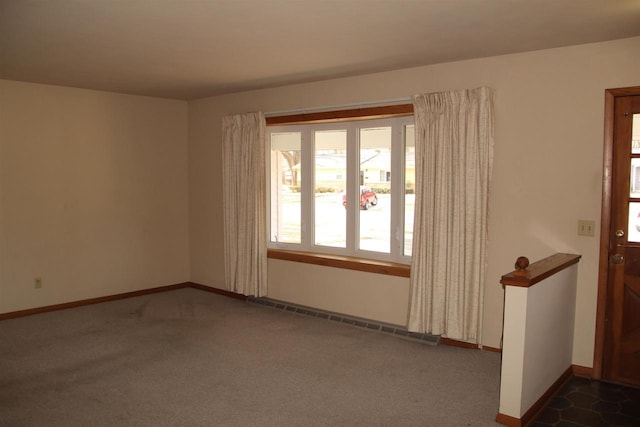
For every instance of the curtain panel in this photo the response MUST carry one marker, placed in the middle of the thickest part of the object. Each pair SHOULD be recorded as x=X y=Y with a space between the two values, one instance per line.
x=454 y=156
x=244 y=203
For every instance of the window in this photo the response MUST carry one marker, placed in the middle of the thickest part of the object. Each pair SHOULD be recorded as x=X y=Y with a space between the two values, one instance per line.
x=343 y=187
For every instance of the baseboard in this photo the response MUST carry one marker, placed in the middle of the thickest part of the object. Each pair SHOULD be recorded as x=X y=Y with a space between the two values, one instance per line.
x=456 y=343
x=217 y=291
x=539 y=405
x=509 y=421
x=80 y=303
x=463 y=344
x=582 y=371
x=98 y=300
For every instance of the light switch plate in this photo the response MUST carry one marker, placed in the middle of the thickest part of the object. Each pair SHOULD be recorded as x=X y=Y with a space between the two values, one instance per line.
x=586 y=227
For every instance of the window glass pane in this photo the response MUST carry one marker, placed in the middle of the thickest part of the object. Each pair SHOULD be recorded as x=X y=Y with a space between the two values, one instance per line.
x=633 y=234
x=375 y=189
x=330 y=182
x=409 y=186
x=285 y=187
x=635 y=135
x=310 y=167
x=634 y=188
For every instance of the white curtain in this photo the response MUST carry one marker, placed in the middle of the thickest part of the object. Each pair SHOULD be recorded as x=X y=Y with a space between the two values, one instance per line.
x=454 y=155
x=244 y=203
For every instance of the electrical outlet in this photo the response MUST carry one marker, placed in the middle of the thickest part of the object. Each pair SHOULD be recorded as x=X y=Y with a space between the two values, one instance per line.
x=37 y=282
x=586 y=227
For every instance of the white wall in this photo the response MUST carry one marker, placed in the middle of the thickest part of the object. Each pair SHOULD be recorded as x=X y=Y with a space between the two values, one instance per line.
x=538 y=342
x=547 y=168
x=549 y=333
x=93 y=194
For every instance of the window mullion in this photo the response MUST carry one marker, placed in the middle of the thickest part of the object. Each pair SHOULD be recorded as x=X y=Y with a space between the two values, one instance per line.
x=306 y=188
x=397 y=184
x=353 y=191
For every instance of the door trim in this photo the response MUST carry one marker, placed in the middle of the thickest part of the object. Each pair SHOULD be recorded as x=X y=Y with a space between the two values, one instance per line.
x=605 y=223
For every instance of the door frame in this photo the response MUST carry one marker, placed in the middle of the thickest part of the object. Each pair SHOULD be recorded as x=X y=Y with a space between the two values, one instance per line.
x=605 y=224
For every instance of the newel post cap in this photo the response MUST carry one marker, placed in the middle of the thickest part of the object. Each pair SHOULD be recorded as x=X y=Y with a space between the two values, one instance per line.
x=521 y=266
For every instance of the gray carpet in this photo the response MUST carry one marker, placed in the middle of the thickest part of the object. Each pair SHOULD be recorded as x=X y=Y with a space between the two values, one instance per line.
x=193 y=358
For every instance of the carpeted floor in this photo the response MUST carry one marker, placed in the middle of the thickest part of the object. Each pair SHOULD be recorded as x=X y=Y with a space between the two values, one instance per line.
x=193 y=358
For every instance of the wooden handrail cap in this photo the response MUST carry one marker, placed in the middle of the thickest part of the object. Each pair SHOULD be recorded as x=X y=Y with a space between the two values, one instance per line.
x=527 y=275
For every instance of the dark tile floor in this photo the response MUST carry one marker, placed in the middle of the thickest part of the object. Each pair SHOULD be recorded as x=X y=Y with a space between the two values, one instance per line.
x=583 y=402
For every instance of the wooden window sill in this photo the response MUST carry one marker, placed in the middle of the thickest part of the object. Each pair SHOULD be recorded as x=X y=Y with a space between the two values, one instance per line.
x=338 y=261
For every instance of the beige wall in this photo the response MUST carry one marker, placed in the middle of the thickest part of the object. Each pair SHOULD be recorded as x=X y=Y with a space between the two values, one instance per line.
x=93 y=194
x=547 y=172
x=97 y=196
x=340 y=290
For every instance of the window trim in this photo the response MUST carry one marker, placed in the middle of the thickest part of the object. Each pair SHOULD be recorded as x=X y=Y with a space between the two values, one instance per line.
x=369 y=113
x=369 y=261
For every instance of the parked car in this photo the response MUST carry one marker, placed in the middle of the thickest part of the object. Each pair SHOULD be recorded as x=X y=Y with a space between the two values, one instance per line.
x=368 y=198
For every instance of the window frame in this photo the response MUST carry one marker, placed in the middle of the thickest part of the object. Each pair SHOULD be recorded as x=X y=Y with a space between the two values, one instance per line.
x=349 y=120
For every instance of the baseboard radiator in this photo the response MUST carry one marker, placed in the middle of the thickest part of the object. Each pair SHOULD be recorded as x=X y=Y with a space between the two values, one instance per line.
x=372 y=325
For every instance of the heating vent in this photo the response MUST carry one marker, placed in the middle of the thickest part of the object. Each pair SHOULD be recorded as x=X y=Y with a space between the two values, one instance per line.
x=354 y=321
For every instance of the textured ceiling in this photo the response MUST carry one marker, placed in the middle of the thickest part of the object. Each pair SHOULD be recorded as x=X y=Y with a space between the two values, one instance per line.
x=189 y=49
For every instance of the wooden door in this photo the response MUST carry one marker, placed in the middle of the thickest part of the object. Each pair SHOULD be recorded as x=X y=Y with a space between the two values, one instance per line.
x=622 y=332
